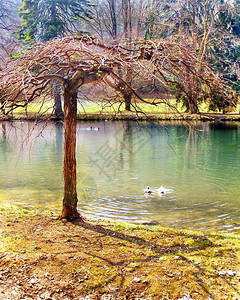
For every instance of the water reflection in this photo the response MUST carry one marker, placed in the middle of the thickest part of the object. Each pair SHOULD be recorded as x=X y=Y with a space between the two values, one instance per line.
x=115 y=163
x=59 y=137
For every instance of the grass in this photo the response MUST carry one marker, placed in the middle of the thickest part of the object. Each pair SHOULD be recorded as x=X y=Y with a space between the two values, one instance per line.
x=96 y=109
x=113 y=259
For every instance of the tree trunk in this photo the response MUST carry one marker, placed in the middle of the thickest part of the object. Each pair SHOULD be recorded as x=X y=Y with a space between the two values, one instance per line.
x=193 y=105
x=127 y=100
x=58 y=113
x=125 y=18
x=69 y=163
x=127 y=94
x=193 y=108
x=112 y=5
x=192 y=89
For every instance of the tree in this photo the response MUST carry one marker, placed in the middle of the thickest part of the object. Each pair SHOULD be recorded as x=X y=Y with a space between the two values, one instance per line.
x=43 y=20
x=8 y=14
x=226 y=47
x=199 y=24
x=78 y=61
x=118 y=19
x=8 y=21
x=235 y=21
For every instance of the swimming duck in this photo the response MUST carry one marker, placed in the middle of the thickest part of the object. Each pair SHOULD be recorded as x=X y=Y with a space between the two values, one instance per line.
x=161 y=191
x=147 y=190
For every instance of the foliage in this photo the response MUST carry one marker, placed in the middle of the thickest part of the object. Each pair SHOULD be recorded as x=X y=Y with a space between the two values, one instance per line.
x=43 y=20
x=226 y=49
x=164 y=63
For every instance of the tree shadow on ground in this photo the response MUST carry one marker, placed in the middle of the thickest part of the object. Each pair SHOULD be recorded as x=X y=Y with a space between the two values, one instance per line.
x=199 y=243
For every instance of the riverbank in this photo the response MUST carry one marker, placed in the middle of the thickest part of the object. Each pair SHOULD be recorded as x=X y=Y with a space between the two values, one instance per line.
x=160 y=117
x=43 y=257
x=124 y=115
x=204 y=117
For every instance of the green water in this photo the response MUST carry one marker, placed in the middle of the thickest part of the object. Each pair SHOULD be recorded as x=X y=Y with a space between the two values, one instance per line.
x=198 y=166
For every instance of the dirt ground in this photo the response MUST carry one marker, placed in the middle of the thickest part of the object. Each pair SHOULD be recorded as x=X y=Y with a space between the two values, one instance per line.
x=42 y=257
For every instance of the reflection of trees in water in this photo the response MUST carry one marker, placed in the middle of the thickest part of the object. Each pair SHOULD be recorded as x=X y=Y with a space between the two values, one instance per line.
x=183 y=149
x=59 y=138
x=212 y=152
x=3 y=139
x=198 y=139
x=126 y=149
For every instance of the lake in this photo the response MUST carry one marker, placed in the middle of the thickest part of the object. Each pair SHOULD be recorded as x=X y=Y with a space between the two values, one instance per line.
x=199 y=167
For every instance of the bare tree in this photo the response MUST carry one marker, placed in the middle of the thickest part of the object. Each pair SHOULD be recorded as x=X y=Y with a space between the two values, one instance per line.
x=196 y=24
x=116 y=19
x=119 y=19
x=78 y=61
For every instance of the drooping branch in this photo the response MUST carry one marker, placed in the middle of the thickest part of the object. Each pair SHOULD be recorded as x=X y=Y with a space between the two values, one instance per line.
x=48 y=77
x=118 y=87
x=86 y=59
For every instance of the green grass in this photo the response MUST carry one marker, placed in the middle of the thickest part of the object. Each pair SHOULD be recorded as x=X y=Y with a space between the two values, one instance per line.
x=97 y=109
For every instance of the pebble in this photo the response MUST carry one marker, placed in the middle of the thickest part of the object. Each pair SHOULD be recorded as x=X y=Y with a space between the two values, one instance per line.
x=229 y=273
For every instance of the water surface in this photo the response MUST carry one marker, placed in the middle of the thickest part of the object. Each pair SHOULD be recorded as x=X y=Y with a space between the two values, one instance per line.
x=117 y=160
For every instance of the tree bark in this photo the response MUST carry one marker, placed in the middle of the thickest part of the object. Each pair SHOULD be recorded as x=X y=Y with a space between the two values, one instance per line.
x=193 y=104
x=112 y=6
x=127 y=95
x=58 y=113
x=193 y=107
x=69 y=162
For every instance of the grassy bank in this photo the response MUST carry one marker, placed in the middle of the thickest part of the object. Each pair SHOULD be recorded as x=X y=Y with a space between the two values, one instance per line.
x=46 y=258
x=103 y=110
x=124 y=115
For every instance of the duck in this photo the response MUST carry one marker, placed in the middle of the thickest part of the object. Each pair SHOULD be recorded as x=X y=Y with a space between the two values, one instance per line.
x=95 y=128
x=161 y=191
x=147 y=190
x=92 y=128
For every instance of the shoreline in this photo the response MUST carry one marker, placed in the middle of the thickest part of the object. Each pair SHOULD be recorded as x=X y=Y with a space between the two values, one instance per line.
x=131 y=116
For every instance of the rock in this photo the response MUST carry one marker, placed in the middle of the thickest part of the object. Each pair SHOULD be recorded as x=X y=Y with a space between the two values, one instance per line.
x=222 y=273
x=231 y=273
x=33 y=281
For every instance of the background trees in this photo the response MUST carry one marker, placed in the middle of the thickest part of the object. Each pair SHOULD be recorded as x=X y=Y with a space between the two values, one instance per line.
x=209 y=28
x=116 y=19
x=8 y=20
x=43 y=20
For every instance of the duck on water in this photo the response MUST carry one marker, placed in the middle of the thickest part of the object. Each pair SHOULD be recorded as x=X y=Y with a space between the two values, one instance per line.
x=161 y=191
